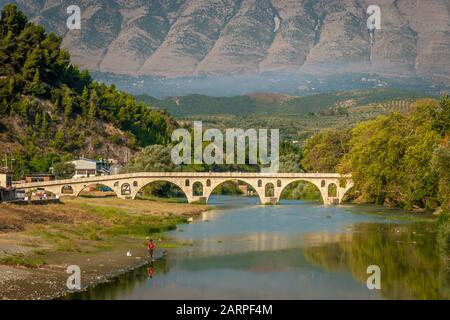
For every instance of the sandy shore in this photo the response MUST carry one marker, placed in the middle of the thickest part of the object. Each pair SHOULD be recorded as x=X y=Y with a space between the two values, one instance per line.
x=98 y=259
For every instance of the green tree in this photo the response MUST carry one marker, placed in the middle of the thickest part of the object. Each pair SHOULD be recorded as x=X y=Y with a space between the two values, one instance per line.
x=59 y=140
x=325 y=150
x=441 y=163
x=44 y=126
x=13 y=21
x=64 y=169
x=390 y=158
x=155 y=158
x=67 y=104
x=92 y=107
x=37 y=87
x=85 y=102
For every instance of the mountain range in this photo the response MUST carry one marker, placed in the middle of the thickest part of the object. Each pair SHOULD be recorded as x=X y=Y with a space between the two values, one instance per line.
x=167 y=48
x=175 y=38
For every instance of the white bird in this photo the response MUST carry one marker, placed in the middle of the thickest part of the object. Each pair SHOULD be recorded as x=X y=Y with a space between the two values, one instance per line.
x=129 y=254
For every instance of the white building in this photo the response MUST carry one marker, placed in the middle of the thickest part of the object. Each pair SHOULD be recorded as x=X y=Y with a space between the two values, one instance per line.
x=85 y=168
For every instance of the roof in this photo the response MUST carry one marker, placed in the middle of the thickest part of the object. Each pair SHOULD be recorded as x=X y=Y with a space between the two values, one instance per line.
x=84 y=164
x=91 y=160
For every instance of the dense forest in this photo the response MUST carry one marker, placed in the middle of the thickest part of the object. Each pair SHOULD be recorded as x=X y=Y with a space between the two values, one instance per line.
x=399 y=159
x=51 y=111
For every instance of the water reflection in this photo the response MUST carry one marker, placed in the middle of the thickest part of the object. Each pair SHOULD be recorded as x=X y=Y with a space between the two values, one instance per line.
x=150 y=269
x=300 y=251
x=411 y=267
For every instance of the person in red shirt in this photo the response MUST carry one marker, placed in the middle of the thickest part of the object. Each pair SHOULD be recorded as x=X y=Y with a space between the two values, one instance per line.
x=151 y=246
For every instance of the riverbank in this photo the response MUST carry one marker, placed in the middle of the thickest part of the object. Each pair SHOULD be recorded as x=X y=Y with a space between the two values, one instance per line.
x=38 y=243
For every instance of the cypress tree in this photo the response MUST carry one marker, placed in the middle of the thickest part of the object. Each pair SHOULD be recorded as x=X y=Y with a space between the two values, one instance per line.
x=37 y=87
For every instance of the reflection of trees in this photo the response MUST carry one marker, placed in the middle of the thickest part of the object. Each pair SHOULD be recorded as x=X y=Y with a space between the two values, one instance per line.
x=443 y=240
x=407 y=255
x=123 y=284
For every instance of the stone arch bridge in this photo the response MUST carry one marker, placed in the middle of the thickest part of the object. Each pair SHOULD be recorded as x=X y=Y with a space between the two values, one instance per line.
x=268 y=186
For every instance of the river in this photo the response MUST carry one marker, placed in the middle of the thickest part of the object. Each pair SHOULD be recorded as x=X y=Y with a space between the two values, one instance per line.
x=296 y=250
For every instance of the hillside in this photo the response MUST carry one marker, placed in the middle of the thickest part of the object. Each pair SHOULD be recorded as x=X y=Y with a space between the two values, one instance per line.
x=296 y=117
x=274 y=104
x=176 y=38
x=50 y=111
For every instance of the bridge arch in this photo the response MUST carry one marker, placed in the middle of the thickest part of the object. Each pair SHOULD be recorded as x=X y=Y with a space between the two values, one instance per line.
x=148 y=182
x=41 y=193
x=215 y=183
x=79 y=189
x=84 y=188
x=345 y=189
x=317 y=186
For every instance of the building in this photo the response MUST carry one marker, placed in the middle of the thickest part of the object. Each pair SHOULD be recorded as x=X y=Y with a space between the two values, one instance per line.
x=39 y=177
x=85 y=168
x=115 y=166
x=7 y=192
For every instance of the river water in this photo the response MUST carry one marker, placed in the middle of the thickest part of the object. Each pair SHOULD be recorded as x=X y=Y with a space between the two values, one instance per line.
x=297 y=250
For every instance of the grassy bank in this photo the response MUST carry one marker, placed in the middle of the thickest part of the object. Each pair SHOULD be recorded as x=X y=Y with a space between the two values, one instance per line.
x=31 y=234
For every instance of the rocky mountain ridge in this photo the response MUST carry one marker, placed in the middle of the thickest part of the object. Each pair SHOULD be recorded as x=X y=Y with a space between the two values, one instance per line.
x=179 y=38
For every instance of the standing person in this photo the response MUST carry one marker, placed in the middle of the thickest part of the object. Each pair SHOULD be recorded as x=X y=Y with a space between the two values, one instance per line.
x=151 y=246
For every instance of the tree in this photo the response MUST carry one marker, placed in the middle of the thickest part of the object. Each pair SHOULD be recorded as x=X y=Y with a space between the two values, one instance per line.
x=85 y=102
x=93 y=100
x=12 y=21
x=64 y=169
x=324 y=151
x=33 y=64
x=59 y=140
x=155 y=158
x=37 y=87
x=44 y=126
x=390 y=159
x=291 y=163
x=441 y=163
x=67 y=104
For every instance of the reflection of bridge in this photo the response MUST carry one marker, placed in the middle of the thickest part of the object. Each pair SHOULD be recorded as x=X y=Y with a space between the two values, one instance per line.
x=199 y=186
